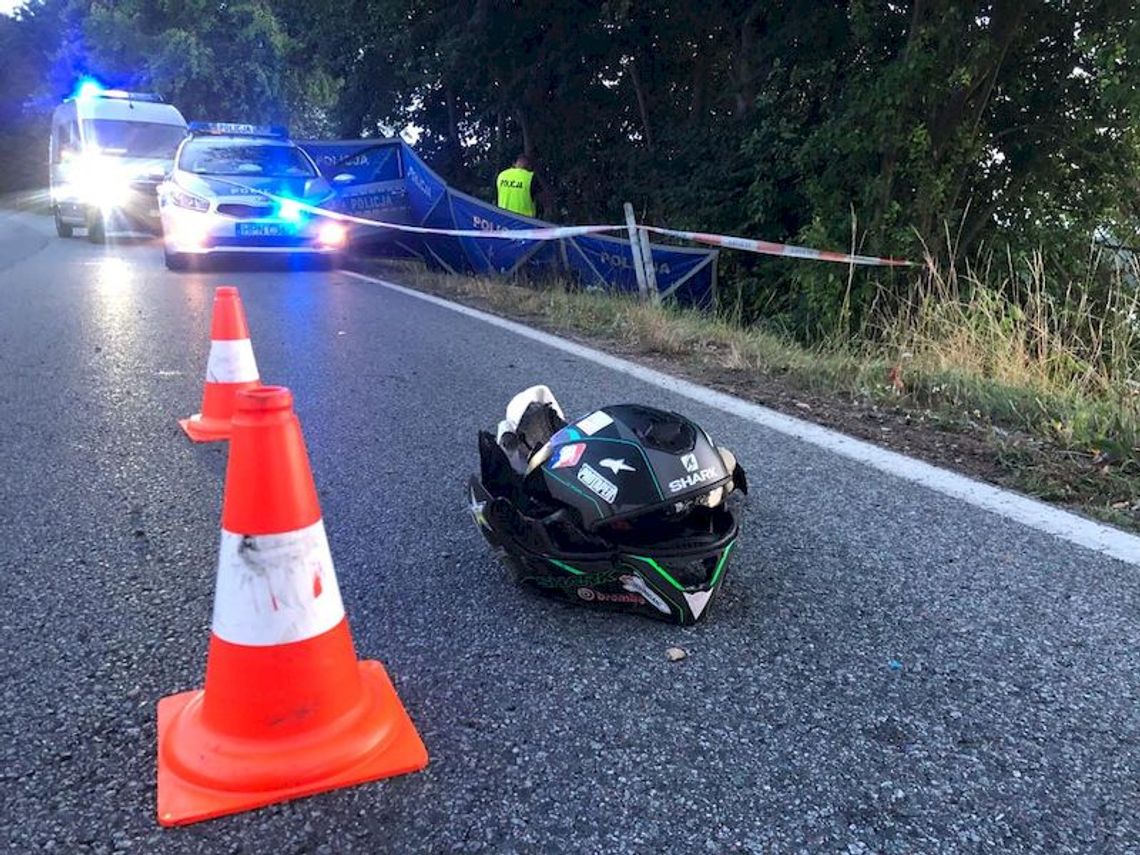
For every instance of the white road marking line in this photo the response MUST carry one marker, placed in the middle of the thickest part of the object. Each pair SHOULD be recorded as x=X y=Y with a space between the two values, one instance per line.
x=1028 y=512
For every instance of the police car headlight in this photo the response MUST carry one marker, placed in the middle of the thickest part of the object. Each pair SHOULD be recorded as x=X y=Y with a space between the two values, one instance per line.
x=332 y=235
x=183 y=199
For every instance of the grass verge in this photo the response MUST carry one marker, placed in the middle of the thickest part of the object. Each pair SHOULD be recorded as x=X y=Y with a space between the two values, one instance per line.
x=1022 y=390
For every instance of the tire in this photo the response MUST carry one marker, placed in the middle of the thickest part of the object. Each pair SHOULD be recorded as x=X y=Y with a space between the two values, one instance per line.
x=64 y=230
x=96 y=227
x=175 y=260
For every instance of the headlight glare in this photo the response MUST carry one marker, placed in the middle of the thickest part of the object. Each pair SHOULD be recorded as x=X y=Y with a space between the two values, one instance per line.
x=99 y=182
x=332 y=235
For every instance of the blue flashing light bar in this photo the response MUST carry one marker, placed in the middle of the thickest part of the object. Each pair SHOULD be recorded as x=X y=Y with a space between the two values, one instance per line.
x=122 y=95
x=88 y=88
x=238 y=129
x=290 y=211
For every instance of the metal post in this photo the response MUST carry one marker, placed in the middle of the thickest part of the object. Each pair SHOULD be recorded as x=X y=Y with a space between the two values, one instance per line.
x=650 y=267
x=635 y=251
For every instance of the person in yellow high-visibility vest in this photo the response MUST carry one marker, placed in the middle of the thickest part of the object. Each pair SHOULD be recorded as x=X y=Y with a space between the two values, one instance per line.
x=516 y=185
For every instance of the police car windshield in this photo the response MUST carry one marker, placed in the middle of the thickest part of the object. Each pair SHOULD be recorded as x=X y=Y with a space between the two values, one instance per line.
x=132 y=139
x=249 y=158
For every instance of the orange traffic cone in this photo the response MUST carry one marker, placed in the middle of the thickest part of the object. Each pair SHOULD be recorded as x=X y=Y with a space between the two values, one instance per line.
x=287 y=710
x=230 y=369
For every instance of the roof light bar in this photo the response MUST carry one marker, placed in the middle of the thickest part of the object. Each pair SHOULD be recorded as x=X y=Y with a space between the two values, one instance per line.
x=89 y=90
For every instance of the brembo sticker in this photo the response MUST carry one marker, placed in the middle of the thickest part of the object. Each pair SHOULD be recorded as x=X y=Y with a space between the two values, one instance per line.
x=594 y=423
x=597 y=483
x=590 y=596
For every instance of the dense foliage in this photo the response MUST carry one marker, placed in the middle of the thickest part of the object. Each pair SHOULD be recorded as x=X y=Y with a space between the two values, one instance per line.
x=893 y=126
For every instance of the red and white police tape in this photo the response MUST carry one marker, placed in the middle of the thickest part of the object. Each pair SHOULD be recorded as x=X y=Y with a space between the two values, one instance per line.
x=556 y=232
x=785 y=249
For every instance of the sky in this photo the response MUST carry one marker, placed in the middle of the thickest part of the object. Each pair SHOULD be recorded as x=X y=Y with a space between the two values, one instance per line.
x=6 y=6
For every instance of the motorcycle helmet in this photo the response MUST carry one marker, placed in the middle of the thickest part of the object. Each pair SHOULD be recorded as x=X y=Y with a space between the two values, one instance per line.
x=625 y=508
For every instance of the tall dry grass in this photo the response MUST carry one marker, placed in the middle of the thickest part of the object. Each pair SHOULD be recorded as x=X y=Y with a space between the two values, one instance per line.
x=999 y=343
x=1062 y=358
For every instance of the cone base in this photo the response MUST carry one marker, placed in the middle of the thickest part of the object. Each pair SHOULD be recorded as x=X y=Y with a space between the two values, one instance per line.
x=206 y=430
x=182 y=801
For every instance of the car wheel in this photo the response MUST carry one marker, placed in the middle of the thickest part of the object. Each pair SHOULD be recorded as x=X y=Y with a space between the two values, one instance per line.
x=96 y=226
x=64 y=230
x=175 y=260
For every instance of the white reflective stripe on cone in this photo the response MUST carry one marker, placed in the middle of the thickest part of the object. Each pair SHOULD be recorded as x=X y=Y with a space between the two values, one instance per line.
x=276 y=588
x=231 y=362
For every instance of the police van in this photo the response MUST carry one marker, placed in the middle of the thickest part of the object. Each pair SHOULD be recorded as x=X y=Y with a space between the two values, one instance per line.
x=109 y=152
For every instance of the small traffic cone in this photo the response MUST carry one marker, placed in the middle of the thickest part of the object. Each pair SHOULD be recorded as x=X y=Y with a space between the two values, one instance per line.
x=287 y=710
x=230 y=369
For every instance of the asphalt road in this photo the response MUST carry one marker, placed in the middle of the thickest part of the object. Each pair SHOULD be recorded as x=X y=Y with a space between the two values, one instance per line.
x=886 y=670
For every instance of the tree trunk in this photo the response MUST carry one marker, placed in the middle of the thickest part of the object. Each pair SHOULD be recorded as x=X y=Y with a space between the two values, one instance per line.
x=642 y=106
x=481 y=14
x=699 y=85
x=890 y=148
x=452 y=118
x=968 y=103
x=743 y=71
x=500 y=136
x=967 y=110
x=454 y=146
x=525 y=130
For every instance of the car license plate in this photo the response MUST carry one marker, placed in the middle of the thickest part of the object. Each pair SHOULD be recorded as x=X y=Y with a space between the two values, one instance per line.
x=259 y=230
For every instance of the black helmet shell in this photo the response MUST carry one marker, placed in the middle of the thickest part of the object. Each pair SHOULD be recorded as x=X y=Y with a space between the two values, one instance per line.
x=626 y=460
x=624 y=509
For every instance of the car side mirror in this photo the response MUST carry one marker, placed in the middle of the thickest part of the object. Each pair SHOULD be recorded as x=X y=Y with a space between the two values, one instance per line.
x=343 y=178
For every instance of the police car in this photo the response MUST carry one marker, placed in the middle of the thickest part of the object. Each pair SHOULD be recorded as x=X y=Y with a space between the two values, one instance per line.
x=245 y=189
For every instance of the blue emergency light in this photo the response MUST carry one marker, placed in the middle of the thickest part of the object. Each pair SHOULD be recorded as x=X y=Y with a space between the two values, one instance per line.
x=290 y=210
x=238 y=129
x=88 y=88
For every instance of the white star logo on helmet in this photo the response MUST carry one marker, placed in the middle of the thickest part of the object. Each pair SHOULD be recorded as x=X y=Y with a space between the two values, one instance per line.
x=616 y=465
